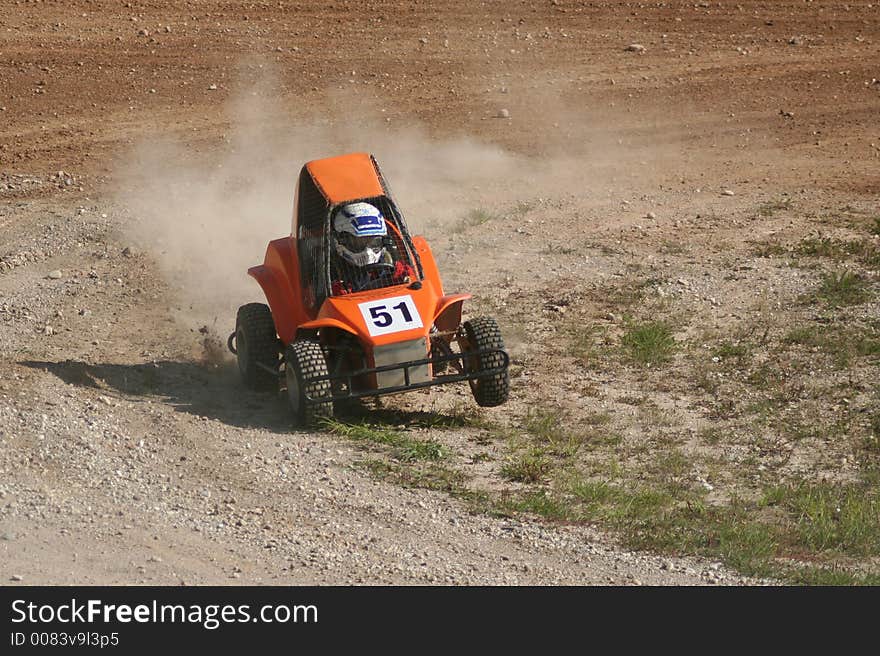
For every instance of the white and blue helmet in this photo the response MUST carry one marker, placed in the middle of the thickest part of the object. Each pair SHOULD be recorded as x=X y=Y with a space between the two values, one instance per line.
x=360 y=229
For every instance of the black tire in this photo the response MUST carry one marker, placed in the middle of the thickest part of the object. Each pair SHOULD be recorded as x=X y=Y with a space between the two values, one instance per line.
x=304 y=359
x=256 y=343
x=483 y=333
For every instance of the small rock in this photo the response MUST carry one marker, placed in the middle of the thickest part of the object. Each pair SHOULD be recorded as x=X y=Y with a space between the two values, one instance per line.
x=213 y=87
x=635 y=47
x=54 y=275
x=650 y=215
x=423 y=40
x=727 y=192
x=143 y=32
x=16 y=577
x=502 y=113
x=128 y=251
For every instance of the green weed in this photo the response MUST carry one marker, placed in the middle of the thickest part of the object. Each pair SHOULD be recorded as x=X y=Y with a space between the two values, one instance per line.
x=649 y=343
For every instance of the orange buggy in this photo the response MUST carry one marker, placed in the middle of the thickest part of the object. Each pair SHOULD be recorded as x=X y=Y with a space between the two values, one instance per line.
x=391 y=336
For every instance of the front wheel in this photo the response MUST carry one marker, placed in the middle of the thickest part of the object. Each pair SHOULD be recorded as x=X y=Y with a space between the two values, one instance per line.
x=304 y=360
x=483 y=333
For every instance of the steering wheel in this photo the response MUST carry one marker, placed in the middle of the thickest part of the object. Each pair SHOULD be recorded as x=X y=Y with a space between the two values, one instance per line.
x=374 y=273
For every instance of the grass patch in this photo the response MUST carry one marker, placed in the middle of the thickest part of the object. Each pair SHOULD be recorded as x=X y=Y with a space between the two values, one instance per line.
x=652 y=518
x=620 y=297
x=583 y=344
x=840 y=249
x=769 y=249
x=475 y=217
x=842 y=288
x=538 y=502
x=405 y=447
x=842 y=345
x=649 y=343
x=533 y=466
x=460 y=415
x=545 y=425
x=770 y=208
x=831 y=519
x=559 y=249
x=827 y=521
x=739 y=353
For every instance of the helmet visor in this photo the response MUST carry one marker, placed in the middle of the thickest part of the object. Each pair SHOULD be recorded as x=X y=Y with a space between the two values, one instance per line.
x=359 y=244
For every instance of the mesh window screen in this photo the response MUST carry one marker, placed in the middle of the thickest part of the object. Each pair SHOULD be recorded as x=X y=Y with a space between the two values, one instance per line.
x=312 y=241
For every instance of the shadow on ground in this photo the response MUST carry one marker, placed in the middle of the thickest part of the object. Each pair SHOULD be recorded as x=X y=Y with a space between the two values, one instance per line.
x=215 y=391
x=206 y=390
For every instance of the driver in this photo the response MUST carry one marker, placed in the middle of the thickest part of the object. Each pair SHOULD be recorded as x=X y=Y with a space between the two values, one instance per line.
x=360 y=237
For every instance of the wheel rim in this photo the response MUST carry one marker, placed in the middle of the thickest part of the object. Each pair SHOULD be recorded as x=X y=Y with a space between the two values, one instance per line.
x=241 y=348
x=292 y=387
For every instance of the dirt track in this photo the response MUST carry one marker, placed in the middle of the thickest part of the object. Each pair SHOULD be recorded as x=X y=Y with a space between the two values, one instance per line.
x=129 y=452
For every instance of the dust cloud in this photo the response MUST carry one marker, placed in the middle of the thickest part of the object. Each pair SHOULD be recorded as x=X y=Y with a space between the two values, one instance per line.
x=206 y=214
x=206 y=217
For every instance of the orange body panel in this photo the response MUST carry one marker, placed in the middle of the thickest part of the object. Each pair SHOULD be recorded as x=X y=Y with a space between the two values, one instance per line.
x=279 y=278
x=429 y=265
x=347 y=177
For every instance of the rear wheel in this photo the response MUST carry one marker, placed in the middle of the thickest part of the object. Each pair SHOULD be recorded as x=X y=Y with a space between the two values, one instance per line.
x=483 y=333
x=304 y=359
x=256 y=344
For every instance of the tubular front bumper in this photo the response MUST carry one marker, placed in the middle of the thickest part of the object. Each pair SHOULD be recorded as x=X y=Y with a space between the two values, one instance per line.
x=442 y=379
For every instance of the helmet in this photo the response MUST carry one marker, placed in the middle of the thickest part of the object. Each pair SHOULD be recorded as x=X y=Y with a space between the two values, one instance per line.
x=359 y=230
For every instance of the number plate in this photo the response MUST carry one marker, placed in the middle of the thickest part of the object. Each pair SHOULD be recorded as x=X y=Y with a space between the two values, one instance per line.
x=390 y=315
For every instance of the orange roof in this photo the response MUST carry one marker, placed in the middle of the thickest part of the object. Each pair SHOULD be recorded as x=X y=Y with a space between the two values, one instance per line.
x=346 y=177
